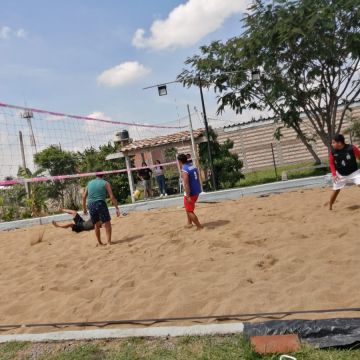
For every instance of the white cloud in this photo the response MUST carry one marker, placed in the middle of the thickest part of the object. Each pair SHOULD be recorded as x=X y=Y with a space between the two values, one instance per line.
x=94 y=126
x=98 y=115
x=21 y=33
x=123 y=74
x=188 y=23
x=4 y=32
x=100 y=133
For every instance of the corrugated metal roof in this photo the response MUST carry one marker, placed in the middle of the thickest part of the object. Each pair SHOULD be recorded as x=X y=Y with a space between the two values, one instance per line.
x=162 y=140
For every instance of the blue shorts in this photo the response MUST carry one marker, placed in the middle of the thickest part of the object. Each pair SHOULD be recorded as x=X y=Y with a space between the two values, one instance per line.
x=99 y=212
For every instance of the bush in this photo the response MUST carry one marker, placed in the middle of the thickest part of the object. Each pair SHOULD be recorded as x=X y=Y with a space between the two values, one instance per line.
x=227 y=166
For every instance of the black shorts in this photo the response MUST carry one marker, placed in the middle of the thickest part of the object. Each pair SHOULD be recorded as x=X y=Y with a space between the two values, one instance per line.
x=99 y=212
x=79 y=223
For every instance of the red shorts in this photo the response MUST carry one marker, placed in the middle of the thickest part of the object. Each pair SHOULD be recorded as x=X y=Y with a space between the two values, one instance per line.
x=190 y=206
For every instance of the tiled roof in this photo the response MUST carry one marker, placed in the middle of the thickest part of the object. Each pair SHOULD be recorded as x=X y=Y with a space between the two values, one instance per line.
x=162 y=140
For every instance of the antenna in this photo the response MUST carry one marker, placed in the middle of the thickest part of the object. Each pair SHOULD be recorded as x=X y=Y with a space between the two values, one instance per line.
x=28 y=115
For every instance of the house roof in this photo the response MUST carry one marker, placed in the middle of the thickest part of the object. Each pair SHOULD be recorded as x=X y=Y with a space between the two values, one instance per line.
x=261 y=120
x=252 y=122
x=162 y=140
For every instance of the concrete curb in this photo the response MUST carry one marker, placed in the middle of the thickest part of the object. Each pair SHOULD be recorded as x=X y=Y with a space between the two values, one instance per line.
x=230 y=194
x=172 y=331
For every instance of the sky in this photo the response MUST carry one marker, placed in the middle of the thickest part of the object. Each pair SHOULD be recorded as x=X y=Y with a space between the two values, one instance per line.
x=93 y=58
x=89 y=56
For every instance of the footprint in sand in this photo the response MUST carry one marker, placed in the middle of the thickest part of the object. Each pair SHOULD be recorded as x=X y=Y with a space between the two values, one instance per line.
x=267 y=263
x=221 y=244
x=59 y=265
x=258 y=242
x=128 y=284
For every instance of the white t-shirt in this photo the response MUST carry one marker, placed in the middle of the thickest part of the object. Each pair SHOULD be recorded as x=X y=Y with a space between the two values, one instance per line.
x=159 y=171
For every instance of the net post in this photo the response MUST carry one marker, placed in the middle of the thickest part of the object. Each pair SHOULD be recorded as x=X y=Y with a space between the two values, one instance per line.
x=27 y=186
x=130 y=178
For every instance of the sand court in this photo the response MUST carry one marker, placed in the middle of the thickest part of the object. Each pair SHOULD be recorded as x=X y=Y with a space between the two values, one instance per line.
x=257 y=254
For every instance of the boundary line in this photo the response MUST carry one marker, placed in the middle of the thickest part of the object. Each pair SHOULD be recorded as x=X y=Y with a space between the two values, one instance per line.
x=173 y=331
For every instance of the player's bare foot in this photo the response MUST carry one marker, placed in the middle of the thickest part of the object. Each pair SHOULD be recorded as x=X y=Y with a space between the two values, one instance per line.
x=188 y=226
x=100 y=244
x=198 y=228
x=327 y=204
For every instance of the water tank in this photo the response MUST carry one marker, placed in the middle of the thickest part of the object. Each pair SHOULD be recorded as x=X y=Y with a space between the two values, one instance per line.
x=123 y=135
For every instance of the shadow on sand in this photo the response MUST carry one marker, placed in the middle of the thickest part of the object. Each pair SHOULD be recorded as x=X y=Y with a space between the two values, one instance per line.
x=215 y=224
x=353 y=207
x=127 y=239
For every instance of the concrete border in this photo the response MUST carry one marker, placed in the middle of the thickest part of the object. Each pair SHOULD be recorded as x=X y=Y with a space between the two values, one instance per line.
x=230 y=194
x=173 y=331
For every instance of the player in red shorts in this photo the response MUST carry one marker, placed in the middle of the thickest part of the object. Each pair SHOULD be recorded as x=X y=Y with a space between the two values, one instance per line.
x=190 y=178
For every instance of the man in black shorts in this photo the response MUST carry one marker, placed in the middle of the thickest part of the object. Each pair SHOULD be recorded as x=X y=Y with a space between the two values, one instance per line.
x=145 y=175
x=94 y=200
x=78 y=225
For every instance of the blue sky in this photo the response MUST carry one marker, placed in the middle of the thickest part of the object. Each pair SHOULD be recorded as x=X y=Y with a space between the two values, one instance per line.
x=52 y=54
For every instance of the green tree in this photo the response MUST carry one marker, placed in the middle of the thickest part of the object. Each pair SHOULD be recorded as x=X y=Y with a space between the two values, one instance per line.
x=227 y=166
x=356 y=129
x=170 y=154
x=36 y=201
x=13 y=198
x=92 y=160
x=354 y=126
x=55 y=161
x=308 y=53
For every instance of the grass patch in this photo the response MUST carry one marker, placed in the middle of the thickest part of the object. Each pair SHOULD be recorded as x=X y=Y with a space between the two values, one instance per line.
x=89 y=351
x=268 y=175
x=229 y=347
x=9 y=351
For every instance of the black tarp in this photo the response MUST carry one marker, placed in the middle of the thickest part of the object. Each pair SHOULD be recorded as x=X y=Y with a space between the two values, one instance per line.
x=324 y=333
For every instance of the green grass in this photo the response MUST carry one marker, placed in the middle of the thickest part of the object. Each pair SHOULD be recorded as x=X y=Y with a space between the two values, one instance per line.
x=268 y=175
x=9 y=350
x=186 y=348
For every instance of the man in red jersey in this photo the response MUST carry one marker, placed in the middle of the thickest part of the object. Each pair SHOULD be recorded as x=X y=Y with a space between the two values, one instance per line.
x=343 y=165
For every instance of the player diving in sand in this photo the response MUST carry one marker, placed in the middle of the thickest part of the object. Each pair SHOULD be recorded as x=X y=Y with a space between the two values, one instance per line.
x=77 y=225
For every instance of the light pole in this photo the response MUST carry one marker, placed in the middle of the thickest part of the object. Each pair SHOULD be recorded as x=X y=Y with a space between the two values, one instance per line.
x=162 y=90
x=213 y=180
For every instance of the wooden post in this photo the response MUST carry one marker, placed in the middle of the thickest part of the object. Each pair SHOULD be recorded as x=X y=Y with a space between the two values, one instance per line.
x=27 y=187
x=130 y=178
x=273 y=156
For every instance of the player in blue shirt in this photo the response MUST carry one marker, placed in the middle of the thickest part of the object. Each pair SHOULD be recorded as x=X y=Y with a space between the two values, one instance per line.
x=191 y=182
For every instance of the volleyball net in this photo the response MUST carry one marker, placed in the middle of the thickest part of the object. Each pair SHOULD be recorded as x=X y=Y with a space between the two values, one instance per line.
x=46 y=157
x=24 y=132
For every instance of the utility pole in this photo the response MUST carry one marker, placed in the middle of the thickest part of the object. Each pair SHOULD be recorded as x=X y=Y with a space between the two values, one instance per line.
x=27 y=188
x=193 y=145
x=194 y=153
x=163 y=91
x=207 y=134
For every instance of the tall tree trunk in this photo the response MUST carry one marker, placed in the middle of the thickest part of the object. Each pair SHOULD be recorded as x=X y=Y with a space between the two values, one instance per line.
x=307 y=145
